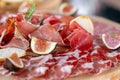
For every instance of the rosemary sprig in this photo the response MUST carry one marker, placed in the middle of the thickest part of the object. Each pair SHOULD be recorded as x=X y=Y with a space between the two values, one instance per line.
x=30 y=11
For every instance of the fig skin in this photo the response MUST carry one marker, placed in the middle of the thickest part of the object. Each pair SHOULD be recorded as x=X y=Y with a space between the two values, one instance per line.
x=111 y=41
x=10 y=66
x=71 y=11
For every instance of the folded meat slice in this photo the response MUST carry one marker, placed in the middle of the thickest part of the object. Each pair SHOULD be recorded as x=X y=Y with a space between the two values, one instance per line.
x=18 y=43
x=79 y=38
x=11 y=37
x=26 y=28
x=47 y=32
x=7 y=31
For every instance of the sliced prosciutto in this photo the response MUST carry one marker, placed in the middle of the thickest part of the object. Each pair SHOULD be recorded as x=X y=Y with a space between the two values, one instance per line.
x=58 y=19
x=26 y=28
x=52 y=20
x=18 y=43
x=47 y=32
x=10 y=36
x=79 y=38
x=7 y=31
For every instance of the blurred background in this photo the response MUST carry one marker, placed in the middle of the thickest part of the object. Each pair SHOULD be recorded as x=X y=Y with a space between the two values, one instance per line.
x=106 y=8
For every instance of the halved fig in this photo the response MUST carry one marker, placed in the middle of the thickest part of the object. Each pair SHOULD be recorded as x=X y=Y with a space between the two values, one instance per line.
x=111 y=41
x=40 y=46
x=7 y=52
x=85 y=22
x=13 y=63
x=67 y=9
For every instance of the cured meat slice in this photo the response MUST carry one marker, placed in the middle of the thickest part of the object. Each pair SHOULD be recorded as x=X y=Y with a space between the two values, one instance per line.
x=26 y=28
x=63 y=71
x=83 y=68
x=52 y=20
x=58 y=19
x=43 y=14
x=115 y=57
x=80 y=39
x=101 y=66
x=65 y=31
x=7 y=31
x=19 y=17
x=97 y=54
x=47 y=32
x=17 y=41
x=39 y=71
x=41 y=65
x=64 y=66
x=11 y=37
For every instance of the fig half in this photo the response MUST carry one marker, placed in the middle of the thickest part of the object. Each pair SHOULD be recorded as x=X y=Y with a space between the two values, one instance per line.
x=67 y=9
x=85 y=22
x=13 y=63
x=7 y=52
x=111 y=41
x=41 y=46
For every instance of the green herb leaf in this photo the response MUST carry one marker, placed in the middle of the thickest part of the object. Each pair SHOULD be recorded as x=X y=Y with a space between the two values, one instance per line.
x=30 y=11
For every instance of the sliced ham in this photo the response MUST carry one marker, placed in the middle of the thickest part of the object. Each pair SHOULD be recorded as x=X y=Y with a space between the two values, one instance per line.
x=80 y=39
x=58 y=19
x=47 y=32
x=11 y=37
x=19 y=17
x=18 y=43
x=7 y=31
x=2 y=28
x=52 y=20
x=26 y=28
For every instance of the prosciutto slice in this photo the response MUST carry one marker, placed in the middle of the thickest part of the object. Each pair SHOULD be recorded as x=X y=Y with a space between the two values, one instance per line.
x=18 y=43
x=79 y=38
x=26 y=28
x=47 y=32
x=11 y=37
